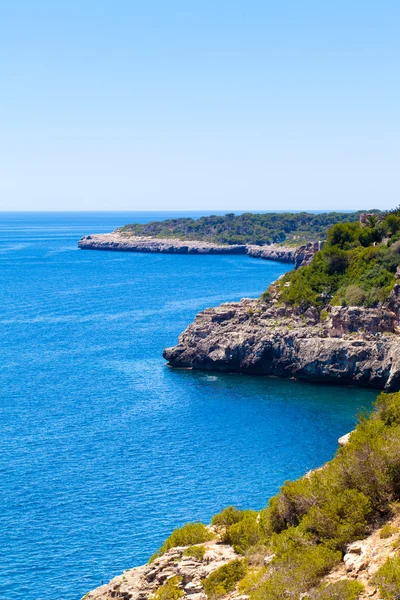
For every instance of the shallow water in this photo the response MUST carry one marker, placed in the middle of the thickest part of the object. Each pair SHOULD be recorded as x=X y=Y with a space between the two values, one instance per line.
x=104 y=449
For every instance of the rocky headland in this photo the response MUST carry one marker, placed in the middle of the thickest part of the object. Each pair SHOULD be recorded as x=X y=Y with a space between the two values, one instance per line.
x=346 y=345
x=122 y=242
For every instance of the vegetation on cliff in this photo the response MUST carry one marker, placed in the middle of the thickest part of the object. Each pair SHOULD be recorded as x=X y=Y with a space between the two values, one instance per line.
x=388 y=579
x=248 y=228
x=302 y=534
x=356 y=267
x=188 y=535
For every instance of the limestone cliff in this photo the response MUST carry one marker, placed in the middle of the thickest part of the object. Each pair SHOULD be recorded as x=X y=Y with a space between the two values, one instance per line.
x=348 y=345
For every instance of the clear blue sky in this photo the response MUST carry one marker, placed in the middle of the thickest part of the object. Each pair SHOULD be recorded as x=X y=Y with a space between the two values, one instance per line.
x=211 y=104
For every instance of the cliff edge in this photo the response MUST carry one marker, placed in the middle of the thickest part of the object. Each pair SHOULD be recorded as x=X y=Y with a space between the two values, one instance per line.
x=347 y=345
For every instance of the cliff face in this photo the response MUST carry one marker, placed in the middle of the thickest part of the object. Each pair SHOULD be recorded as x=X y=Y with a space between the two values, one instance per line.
x=127 y=243
x=354 y=345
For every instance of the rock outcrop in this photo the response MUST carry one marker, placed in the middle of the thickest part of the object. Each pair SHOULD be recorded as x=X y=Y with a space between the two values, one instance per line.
x=122 y=242
x=363 y=558
x=354 y=345
x=140 y=583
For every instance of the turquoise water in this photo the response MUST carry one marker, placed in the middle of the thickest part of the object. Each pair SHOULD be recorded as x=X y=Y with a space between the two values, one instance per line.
x=104 y=449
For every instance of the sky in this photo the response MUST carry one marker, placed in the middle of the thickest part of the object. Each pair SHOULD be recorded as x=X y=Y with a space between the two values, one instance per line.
x=199 y=105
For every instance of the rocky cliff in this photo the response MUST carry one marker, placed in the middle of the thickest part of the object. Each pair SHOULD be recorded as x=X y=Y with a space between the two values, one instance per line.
x=123 y=242
x=129 y=243
x=352 y=345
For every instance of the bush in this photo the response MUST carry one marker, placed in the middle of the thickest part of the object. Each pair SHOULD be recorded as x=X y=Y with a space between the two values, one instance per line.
x=344 y=235
x=245 y=533
x=227 y=517
x=196 y=552
x=240 y=528
x=340 y=590
x=293 y=572
x=188 y=535
x=354 y=295
x=386 y=532
x=170 y=590
x=224 y=579
x=339 y=520
x=388 y=579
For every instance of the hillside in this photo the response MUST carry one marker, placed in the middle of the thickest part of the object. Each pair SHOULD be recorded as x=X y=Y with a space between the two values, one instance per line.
x=356 y=267
x=248 y=228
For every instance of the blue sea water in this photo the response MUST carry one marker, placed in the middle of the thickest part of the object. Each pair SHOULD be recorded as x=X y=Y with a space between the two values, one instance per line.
x=104 y=449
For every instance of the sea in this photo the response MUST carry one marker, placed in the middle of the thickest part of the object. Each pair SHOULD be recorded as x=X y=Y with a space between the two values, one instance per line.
x=104 y=449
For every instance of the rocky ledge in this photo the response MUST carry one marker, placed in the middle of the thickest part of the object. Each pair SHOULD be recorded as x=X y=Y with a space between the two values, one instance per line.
x=140 y=583
x=127 y=243
x=352 y=345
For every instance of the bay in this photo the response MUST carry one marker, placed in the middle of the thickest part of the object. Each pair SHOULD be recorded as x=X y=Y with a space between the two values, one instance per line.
x=103 y=448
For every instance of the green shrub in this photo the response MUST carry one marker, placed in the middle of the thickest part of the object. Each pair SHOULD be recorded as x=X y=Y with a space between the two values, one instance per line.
x=196 y=552
x=340 y=590
x=244 y=533
x=170 y=590
x=240 y=528
x=188 y=535
x=251 y=580
x=386 y=532
x=339 y=520
x=396 y=544
x=388 y=579
x=294 y=572
x=224 y=579
x=227 y=517
x=354 y=295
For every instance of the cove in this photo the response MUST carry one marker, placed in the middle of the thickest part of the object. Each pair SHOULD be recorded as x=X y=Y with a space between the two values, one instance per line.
x=104 y=450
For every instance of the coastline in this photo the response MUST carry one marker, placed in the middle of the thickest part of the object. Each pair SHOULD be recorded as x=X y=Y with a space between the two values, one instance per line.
x=119 y=242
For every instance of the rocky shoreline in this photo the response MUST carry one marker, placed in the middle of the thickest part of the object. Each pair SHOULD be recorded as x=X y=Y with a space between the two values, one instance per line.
x=140 y=583
x=121 y=242
x=344 y=345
